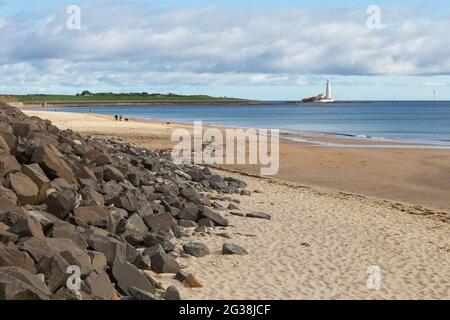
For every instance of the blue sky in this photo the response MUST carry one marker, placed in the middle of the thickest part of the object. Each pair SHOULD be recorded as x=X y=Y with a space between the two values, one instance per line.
x=250 y=49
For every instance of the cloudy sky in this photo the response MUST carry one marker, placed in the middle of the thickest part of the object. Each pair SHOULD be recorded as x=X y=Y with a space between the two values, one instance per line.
x=248 y=49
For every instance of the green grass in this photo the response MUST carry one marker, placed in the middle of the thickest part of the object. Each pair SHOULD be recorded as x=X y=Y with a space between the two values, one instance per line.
x=154 y=98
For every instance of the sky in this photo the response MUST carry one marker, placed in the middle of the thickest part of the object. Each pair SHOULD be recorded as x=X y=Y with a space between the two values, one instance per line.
x=283 y=50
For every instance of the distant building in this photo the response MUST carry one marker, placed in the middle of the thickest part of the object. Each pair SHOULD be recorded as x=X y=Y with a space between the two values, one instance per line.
x=86 y=93
x=322 y=98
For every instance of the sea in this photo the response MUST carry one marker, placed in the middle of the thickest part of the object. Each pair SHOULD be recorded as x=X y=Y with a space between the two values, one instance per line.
x=422 y=122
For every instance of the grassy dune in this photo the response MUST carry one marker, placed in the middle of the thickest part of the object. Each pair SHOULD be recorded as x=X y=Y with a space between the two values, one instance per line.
x=152 y=98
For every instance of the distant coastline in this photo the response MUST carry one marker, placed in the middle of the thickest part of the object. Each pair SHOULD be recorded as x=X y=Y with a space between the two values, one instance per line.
x=135 y=103
x=62 y=104
x=89 y=99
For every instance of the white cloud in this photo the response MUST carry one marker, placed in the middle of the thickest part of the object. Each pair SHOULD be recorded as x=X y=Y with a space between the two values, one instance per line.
x=126 y=45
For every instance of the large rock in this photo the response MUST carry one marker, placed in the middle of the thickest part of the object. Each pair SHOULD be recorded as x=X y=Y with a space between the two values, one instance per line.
x=111 y=173
x=98 y=285
x=233 y=206
x=91 y=156
x=189 y=212
x=129 y=201
x=181 y=275
x=19 y=284
x=61 y=203
x=60 y=184
x=86 y=173
x=65 y=230
x=98 y=260
x=151 y=164
x=191 y=194
x=187 y=224
x=93 y=215
x=196 y=249
x=24 y=129
x=3 y=226
x=28 y=227
x=165 y=238
x=37 y=175
x=214 y=216
x=131 y=253
x=205 y=222
x=8 y=164
x=25 y=189
x=8 y=199
x=143 y=262
x=45 y=219
x=151 y=251
x=90 y=197
x=259 y=215
x=217 y=182
x=111 y=247
x=7 y=237
x=164 y=263
x=171 y=294
x=229 y=248
x=12 y=215
x=4 y=144
x=66 y=248
x=10 y=140
x=52 y=163
x=127 y=275
x=111 y=191
x=54 y=270
x=103 y=159
x=160 y=221
x=133 y=229
x=117 y=216
x=10 y=255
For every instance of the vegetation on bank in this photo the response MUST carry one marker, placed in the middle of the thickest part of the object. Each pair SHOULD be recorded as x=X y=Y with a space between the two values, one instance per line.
x=87 y=96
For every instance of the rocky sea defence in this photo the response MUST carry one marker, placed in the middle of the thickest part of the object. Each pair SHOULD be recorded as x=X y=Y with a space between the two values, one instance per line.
x=85 y=218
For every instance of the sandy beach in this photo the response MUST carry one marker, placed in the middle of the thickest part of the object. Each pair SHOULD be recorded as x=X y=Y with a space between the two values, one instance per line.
x=320 y=242
x=319 y=245
x=416 y=176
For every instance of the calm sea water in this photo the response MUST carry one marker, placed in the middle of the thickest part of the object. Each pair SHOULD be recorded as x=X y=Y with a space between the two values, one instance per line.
x=409 y=121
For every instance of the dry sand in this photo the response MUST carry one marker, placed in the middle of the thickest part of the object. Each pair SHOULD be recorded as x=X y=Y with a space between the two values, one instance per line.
x=319 y=243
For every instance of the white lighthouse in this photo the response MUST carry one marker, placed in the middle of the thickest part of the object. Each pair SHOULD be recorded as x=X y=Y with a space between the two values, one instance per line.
x=327 y=98
x=328 y=94
x=321 y=98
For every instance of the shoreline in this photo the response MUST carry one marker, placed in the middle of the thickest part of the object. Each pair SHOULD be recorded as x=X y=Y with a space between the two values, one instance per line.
x=317 y=138
x=412 y=176
x=87 y=104
x=63 y=104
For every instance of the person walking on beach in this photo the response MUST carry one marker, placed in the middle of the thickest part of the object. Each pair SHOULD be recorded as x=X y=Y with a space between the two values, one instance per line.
x=120 y=118
x=116 y=117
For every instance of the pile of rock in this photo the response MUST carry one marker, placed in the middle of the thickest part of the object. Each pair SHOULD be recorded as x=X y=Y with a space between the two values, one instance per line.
x=97 y=206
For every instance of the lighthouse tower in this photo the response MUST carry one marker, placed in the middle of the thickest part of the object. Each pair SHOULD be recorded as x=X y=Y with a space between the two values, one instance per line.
x=327 y=98
x=328 y=93
x=322 y=98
